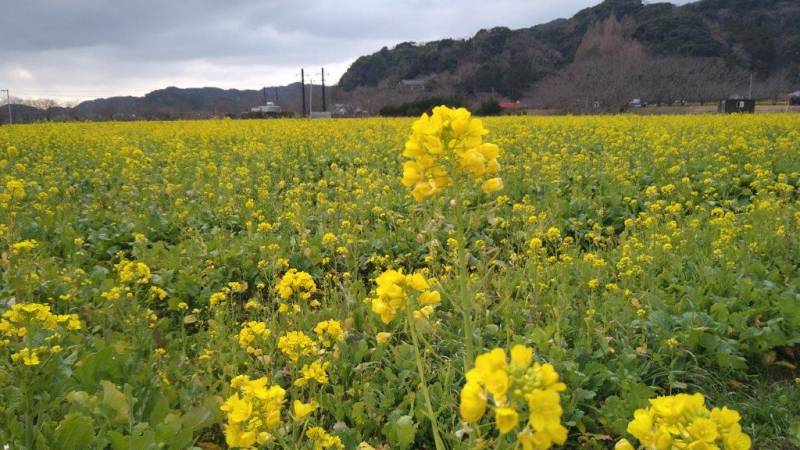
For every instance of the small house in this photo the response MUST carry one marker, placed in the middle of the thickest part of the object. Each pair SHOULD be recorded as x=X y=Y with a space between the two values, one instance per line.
x=741 y=106
x=637 y=103
x=794 y=98
x=270 y=107
x=340 y=109
x=511 y=108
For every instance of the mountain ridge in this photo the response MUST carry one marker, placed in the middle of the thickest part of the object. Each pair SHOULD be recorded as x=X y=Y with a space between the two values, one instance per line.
x=603 y=55
x=168 y=103
x=762 y=36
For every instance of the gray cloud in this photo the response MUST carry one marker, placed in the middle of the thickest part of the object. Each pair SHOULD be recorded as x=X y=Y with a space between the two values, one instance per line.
x=75 y=49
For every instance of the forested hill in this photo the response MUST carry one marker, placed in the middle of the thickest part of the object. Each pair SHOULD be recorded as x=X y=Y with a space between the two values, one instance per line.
x=762 y=36
x=168 y=103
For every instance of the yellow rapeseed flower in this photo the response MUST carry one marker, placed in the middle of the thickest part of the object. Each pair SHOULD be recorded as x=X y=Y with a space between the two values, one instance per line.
x=446 y=146
x=516 y=386
x=683 y=421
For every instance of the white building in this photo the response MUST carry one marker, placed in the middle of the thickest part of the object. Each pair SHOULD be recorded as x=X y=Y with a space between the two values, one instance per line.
x=270 y=107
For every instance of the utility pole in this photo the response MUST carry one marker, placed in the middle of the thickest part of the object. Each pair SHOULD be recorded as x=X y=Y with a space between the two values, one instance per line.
x=8 y=101
x=750 y=94
x=324 y=103
x=311 y=97
x=303 y=89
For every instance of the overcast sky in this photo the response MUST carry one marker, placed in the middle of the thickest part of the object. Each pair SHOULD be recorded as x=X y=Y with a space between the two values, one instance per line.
x=79 y=49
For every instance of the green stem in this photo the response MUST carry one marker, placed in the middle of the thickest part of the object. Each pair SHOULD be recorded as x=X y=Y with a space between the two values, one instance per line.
x=421 y=372
x=466 y=311
x=28 y=418
x=462 y=272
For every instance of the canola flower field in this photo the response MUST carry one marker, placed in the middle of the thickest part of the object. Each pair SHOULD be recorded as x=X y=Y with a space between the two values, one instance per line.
x=447 y=282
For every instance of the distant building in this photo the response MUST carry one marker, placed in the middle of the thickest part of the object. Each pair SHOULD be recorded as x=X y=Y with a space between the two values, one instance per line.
x=637 y=103
x=413 y=83
x=731 y=106
x=268 y=111
x=794 y=98
x=344 y=110
x=509 y=107
x=270 y=107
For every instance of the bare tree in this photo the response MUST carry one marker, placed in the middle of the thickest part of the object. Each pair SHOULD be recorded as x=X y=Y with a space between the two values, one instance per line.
x=609 y=79
x=773 y=87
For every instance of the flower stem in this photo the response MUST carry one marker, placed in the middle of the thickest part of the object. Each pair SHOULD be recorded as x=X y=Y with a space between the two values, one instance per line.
x=462 y=273
x=466 y=307
x=469 y=350
x=28 y=417
x=421 y=372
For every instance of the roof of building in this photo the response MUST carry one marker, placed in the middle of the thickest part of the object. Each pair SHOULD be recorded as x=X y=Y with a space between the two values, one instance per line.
x=510 y=105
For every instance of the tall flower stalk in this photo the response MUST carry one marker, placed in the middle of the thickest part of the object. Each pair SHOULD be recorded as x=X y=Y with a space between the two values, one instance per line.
x=464 y=299
x=446 y=152
x=412 y=327
x=410 y=295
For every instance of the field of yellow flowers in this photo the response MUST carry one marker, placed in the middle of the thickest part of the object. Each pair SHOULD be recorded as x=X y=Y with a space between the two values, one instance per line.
x=441 y=283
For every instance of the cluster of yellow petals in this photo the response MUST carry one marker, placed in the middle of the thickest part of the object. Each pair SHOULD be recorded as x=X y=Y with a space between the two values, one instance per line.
x=253 y=412
x=396 y=288
x=218 y=297
x=316 y=371
x=683 y=421
x=329 y=332
x=30 y=357
x=296 y=344
x=302 y=410
x=15 y=189
x=329 y=239
x=133 y=271
x=514 y=387
x=24 y=246
x=443 y=147
x=21 y=314
x=323 y=440
x=250 y=336
x=297 y=283
x=31 y=330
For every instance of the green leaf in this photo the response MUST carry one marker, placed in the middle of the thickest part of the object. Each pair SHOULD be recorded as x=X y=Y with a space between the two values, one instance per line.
x=105 y=363
x=197 y=418
x=172 y=434
x=404 y=431
x=358 y=413
x=74 y=432
x=115 y=400
x=157 y=408
x=140 y=439
x=190 y=319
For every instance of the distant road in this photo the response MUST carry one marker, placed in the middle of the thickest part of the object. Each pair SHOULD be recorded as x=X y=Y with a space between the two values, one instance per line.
x=710 y=108
x=707 y=109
